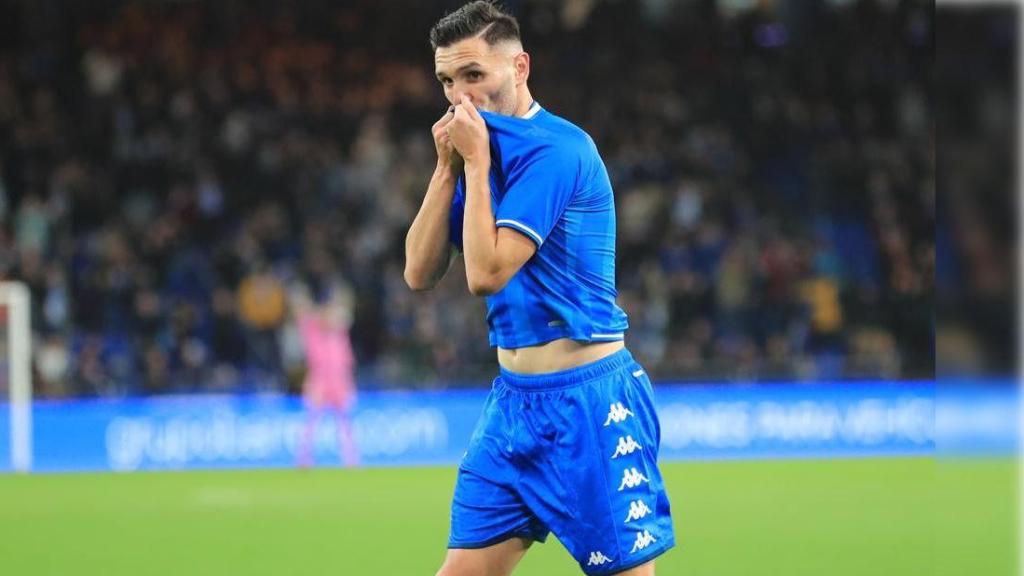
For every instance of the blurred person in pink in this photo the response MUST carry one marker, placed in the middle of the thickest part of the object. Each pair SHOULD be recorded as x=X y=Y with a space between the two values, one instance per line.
x=329 y=384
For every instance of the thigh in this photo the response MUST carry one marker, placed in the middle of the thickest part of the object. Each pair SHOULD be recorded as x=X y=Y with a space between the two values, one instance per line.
x=495 y=560
x=642 y=570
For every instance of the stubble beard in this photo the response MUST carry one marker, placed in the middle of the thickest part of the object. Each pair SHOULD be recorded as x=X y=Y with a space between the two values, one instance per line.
x=504 y=100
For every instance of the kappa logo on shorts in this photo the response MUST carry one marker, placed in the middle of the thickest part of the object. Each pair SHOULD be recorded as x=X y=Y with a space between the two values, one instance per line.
x=638 y=510
x=626 y=446
x=643 y=540
x=631 y=478
x=617 y=413
x=597 y=559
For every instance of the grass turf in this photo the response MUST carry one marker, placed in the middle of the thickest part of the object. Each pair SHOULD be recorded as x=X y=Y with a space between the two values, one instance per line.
x=789 y=518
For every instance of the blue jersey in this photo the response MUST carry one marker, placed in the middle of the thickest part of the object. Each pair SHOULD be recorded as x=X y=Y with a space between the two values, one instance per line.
x=548 y=182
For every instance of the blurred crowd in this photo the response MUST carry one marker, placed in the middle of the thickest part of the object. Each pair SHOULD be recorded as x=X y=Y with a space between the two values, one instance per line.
x=977 y=230
x=173 y=173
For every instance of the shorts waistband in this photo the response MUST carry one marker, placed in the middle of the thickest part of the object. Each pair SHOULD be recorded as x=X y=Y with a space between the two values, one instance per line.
x=567 y=378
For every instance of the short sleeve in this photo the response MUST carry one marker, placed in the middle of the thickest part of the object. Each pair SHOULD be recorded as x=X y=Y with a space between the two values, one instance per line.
x=537 y=192
x=455 y=216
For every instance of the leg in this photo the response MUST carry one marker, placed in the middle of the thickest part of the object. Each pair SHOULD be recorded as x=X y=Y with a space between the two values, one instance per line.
x=307 y=442
x=642 y=570
x=496 y=560
x=346 y=443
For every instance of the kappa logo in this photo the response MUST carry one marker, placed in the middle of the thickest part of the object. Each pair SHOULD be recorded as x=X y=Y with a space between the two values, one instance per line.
x=631 y=478
x=643 y=540
x=637 y=510
x=597 y=559
x=617 y=413
x=626 y=446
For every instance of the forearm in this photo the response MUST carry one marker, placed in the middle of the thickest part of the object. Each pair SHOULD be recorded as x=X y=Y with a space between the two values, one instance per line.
x=427 y=245
x=479 y=235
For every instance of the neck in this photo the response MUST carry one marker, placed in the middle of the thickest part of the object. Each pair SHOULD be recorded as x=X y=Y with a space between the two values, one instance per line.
x=523 y=101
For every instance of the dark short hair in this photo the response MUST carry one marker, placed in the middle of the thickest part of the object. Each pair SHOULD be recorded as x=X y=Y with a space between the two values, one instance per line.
x=470 y=20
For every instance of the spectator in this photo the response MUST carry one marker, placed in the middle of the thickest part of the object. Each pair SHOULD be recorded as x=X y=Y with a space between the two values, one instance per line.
x=774 y=191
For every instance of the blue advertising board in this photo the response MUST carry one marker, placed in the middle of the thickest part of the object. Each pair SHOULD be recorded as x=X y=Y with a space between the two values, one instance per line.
x=421 y=428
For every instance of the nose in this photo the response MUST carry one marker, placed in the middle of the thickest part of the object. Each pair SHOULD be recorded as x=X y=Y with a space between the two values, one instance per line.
x=456 y=95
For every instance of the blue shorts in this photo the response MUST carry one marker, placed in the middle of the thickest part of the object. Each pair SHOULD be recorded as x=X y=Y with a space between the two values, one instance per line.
x=574 y=453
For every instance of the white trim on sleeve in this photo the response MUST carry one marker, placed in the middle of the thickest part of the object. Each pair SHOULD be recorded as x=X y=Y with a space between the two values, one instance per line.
x=522 y=228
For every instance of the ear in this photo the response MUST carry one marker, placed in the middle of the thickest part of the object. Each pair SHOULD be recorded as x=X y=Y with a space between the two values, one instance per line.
x=522 y=66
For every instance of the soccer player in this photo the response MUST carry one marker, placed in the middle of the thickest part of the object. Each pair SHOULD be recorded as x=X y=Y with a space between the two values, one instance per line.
x=330 y=370
x=568 y=439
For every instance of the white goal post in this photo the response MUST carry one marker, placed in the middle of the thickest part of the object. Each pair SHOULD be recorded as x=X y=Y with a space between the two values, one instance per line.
x=15 y=296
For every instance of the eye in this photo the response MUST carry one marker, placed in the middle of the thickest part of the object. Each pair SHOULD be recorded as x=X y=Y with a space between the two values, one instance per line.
x=475 y=75
x=447 y=81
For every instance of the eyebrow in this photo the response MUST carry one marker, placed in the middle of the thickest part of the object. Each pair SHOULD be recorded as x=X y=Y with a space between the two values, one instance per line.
x=461 y=69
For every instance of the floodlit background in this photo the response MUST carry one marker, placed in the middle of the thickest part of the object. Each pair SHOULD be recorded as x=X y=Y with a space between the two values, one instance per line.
x=816 y=248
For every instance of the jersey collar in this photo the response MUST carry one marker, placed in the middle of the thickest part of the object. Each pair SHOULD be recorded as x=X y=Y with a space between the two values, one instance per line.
x=534 y=108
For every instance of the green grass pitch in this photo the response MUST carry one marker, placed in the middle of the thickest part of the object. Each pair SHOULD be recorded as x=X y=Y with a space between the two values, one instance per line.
x=898 y=516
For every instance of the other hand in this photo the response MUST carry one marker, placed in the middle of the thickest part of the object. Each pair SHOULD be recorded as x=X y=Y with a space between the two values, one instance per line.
x=468 y=133
x=446 y=154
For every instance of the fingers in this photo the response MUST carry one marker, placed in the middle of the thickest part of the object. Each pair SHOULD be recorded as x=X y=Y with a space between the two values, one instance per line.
x=465 y=120
x=467 y=104
x=444 y=121
x=465 y=111
x=461 y=118
x=463 y=114
x=447 y=117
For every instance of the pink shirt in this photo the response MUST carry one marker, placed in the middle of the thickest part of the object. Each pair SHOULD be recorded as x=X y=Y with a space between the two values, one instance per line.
x=329 y=356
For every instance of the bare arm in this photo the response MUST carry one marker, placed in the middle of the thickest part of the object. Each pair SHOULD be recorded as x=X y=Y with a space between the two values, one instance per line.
x=492 y=254
x=428 y=252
